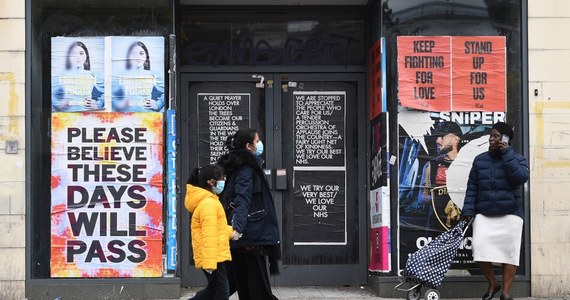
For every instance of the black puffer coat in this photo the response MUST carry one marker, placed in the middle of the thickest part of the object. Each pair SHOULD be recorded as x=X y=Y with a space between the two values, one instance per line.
x=248 y=193
x=494 y=184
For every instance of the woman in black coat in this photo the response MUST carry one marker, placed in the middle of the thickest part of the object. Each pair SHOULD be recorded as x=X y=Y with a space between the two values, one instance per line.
x=494 y=199
x=251 y=212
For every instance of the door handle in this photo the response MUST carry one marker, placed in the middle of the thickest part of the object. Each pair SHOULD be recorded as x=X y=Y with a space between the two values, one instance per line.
x=261 y=83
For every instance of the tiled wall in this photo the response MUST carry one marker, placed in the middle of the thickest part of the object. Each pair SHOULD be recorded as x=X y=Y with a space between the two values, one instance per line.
x=12 y=165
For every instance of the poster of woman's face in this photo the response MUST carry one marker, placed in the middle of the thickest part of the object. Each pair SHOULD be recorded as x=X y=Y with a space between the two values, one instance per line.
x=77 y=74
x=138 y=74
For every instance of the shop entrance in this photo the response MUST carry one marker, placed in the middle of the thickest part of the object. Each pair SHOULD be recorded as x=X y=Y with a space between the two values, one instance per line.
x=313 y=129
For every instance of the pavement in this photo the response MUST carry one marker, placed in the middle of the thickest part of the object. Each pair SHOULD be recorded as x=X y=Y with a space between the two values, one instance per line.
x=330 y=292
x=308 y=292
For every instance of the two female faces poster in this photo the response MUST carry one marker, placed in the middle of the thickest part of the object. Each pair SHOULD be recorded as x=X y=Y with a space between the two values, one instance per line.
x=113 y=74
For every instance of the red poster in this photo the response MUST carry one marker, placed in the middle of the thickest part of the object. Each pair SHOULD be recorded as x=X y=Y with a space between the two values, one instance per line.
x=424 y=77
x=479 y=64
x=375 y=79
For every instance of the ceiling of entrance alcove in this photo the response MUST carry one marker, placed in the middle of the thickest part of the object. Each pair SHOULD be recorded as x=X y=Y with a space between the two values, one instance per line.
x=273 y=2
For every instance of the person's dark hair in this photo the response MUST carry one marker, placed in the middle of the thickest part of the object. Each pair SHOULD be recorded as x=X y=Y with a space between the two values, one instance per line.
x=146 y=64
x=86 y=64
x=241 y=138
x=200 y=176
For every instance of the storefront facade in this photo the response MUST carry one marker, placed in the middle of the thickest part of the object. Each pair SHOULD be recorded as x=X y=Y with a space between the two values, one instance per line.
x=348 y=98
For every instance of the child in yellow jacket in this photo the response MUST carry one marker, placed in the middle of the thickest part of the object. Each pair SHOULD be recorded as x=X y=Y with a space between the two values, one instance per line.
x=211 y=233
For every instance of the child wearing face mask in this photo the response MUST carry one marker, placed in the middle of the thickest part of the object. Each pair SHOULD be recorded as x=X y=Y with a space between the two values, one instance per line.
x=210 y=232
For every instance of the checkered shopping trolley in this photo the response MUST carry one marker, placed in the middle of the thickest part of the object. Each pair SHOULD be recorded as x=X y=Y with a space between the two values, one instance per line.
x=427 y=266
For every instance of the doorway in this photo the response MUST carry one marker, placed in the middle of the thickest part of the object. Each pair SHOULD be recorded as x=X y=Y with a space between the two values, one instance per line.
x=314 y=129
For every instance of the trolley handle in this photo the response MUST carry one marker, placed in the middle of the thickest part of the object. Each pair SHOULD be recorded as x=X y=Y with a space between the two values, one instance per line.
x=467 y=226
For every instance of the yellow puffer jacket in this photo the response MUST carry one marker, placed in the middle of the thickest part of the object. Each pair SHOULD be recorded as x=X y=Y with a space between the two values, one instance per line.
x=210 y=230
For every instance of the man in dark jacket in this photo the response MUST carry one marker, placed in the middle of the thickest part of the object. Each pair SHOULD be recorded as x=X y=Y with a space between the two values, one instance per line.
x=494 y=199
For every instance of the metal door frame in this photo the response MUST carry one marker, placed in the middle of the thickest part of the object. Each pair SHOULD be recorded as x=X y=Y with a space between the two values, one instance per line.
x=313 y=274
x=188 y=275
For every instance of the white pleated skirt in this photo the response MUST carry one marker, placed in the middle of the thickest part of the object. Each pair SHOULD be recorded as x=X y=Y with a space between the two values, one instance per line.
x=497 y=239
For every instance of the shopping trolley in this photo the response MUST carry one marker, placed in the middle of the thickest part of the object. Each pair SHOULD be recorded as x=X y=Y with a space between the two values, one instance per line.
x=427 y=266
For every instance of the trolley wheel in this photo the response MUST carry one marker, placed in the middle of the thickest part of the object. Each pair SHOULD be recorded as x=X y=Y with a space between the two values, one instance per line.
x=414 y=294
x=431 y=294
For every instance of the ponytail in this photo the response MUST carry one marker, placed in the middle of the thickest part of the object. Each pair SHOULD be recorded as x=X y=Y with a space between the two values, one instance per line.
x=200 y=176
x=240 y=139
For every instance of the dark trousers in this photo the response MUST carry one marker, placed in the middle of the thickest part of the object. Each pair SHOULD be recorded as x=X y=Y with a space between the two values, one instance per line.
x=251 y=276
x=218 y=287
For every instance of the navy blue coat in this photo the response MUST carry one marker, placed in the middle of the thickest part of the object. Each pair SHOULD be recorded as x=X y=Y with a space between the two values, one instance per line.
x=494 y=184
x=247 y=190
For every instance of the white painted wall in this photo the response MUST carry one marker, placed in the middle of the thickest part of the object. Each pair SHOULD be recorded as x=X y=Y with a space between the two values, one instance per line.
x=549 y=75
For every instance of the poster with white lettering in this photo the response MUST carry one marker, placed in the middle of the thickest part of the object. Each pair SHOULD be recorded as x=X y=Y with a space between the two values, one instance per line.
x=319 y=207
x=220 y=115
x=436 y=155
x=319 y=128
x=106 y=194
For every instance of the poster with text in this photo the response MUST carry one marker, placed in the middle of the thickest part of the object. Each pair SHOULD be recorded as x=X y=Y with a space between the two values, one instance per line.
x=436 y=155
x=452 y=73
x=424 y=72
x=319 y=207
x=219 y=116
x=478 y=76
x=106 y=194
x=137 y=65
x=77 y=74
x=320 y=120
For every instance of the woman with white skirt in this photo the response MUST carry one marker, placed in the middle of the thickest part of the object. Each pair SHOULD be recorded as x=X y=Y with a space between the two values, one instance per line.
x=494 y=199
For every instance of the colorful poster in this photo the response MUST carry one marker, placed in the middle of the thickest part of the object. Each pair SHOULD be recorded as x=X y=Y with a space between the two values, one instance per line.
x=424 y=72
x=77 y=74
x=137 y=74
x=380 y=257
x=478 y=76
x=435 y=160
x=106 y=194
x=171 y=227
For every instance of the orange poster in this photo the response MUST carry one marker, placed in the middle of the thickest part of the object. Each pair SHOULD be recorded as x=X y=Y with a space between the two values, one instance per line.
x=424 y=79
x=479 y=82
x=375 y=79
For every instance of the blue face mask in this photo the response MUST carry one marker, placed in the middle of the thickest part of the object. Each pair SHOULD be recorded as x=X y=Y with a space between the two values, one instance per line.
x=219 y=187
x=258 y=148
